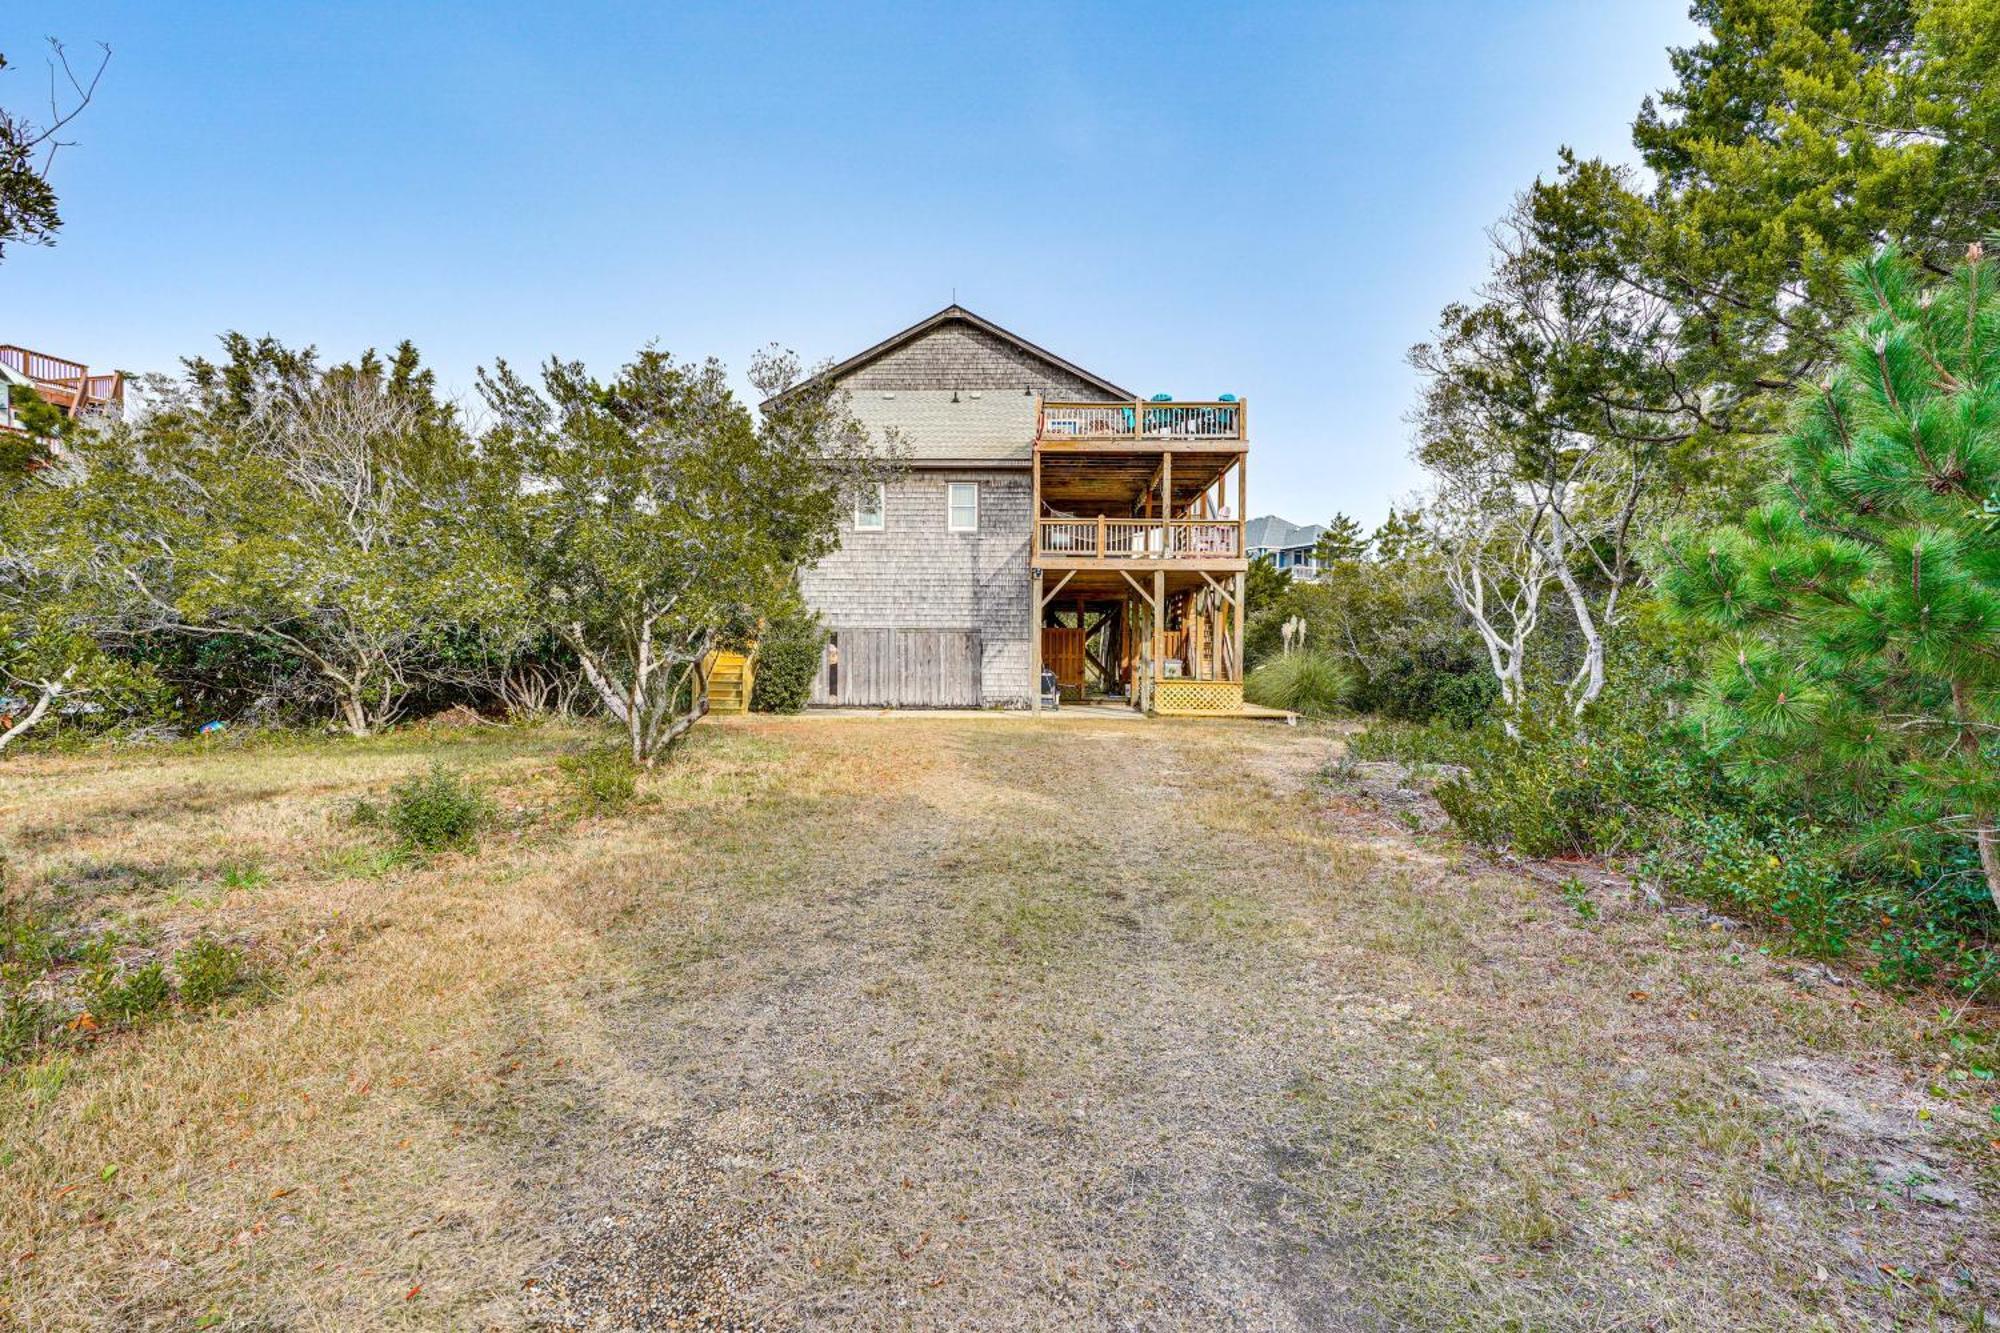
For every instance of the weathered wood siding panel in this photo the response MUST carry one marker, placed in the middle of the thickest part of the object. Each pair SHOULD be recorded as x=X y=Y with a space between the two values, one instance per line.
x=937 y=668
x=903 y=668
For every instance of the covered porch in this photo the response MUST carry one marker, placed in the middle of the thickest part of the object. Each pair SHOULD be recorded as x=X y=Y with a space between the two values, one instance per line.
x=1137 y=559
x=1161 y=640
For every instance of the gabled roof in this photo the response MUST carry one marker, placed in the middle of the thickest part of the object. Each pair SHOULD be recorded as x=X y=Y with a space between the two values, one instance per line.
x=960 y=314
x=1269 y=532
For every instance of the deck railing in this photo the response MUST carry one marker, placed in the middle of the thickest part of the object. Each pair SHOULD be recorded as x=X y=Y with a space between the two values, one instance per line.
x=39 y=365
x=1139 y=420
x=66 y=384
x=1139 y=539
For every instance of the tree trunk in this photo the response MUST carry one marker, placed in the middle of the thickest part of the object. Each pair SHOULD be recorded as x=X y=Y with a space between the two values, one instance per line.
x=354 y=712
x=1984 y=835
x=48 y=690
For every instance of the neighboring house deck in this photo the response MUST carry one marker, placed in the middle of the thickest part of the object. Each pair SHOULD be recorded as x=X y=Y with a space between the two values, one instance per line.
x=66 y=385
x=1045 y=516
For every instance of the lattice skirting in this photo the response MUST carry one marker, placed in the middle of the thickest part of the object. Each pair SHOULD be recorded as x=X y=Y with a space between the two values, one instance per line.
x=1181 y=697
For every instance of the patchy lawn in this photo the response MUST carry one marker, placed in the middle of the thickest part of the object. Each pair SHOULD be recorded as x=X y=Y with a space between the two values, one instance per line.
x=969 y=1021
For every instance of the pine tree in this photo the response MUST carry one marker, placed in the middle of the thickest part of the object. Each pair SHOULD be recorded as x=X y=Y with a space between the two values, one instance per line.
x=1400 y=536
x=1341 y=540
x=1858 y=608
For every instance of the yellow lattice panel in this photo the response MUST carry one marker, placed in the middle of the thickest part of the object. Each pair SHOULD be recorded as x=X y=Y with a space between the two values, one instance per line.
x=1198 y=697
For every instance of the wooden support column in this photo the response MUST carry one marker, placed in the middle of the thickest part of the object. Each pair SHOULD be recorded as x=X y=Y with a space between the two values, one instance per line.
x=1035 y=633
x=1159 y=623
x=1242 y=510
x=1237 y=666
x=1166 y=505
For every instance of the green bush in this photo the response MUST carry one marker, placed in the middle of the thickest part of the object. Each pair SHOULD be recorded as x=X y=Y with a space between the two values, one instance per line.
x=1630 y=780
x=437 y=811
x=127 y=995
x=603 y=780
x=788 y=657
x=1436 y=681
x=1310 y=683
x=1779 y=869
x=1615 y=781
x=209 y=970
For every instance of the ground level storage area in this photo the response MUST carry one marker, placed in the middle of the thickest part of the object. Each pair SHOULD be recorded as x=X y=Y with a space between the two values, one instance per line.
x=900 y=668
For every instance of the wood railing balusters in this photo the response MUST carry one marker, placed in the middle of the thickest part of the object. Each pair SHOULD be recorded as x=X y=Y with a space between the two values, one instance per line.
x=1140 y=420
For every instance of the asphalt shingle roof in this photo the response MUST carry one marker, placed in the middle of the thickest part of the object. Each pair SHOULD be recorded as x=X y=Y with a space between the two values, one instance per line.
x=1270 y=532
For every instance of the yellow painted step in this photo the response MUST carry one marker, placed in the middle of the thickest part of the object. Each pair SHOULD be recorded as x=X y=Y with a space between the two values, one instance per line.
x=730 y=679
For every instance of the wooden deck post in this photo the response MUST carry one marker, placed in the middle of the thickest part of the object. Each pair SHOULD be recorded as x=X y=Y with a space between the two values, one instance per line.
x=1242 y=517
x=1238 y=664
x=1166 y=505
x=1159 y=624
x=1035 y=642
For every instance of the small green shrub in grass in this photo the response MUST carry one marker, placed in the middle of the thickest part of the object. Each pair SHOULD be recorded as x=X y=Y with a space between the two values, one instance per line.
x=244 y=877
x=1312 y=684
x=27 y=938
x=24 y=1019
x=128 y=995
x=438 y=811
x=603 y=780
x=209 y=971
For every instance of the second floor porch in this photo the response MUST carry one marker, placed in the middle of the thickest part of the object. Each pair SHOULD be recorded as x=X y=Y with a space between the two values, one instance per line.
x=1104 y=538
x=1117 y=484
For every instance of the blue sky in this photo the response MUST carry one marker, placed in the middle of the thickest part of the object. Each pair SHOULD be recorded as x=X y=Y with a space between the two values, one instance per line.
x=1271 y=200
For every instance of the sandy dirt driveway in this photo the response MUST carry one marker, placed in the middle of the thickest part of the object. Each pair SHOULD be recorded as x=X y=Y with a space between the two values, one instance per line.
x=1154 y=1026
x=977 y=1022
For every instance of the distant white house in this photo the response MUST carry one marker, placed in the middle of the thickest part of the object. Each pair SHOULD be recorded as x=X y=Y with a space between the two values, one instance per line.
x=1290 y=545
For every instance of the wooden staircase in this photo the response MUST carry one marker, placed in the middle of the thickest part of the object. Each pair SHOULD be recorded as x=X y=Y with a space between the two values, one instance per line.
x=730 y=677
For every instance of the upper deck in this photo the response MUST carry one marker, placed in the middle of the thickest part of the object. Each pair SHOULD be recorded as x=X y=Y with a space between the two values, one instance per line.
x=1140 y=484
x=1218 y=424
x=65 y=384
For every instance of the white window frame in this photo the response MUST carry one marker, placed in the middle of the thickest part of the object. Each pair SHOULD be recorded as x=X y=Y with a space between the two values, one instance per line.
x=951 y=507
x=881 y=523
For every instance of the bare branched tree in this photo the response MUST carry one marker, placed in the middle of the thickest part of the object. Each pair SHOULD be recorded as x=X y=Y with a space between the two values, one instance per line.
x=28 y=208
x=1550 y=417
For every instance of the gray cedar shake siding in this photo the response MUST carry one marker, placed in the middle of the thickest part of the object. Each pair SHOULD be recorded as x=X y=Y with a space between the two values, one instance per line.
x=915 y=574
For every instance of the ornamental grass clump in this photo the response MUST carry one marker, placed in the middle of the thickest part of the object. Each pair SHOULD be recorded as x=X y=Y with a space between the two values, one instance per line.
x=1312 y=684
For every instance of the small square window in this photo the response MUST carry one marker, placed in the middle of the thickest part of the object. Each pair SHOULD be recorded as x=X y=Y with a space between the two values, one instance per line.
x=962 y=501
x=871 y=508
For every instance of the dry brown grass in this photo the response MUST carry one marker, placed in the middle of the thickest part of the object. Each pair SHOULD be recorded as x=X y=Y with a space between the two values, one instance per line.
x=971 y=1021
